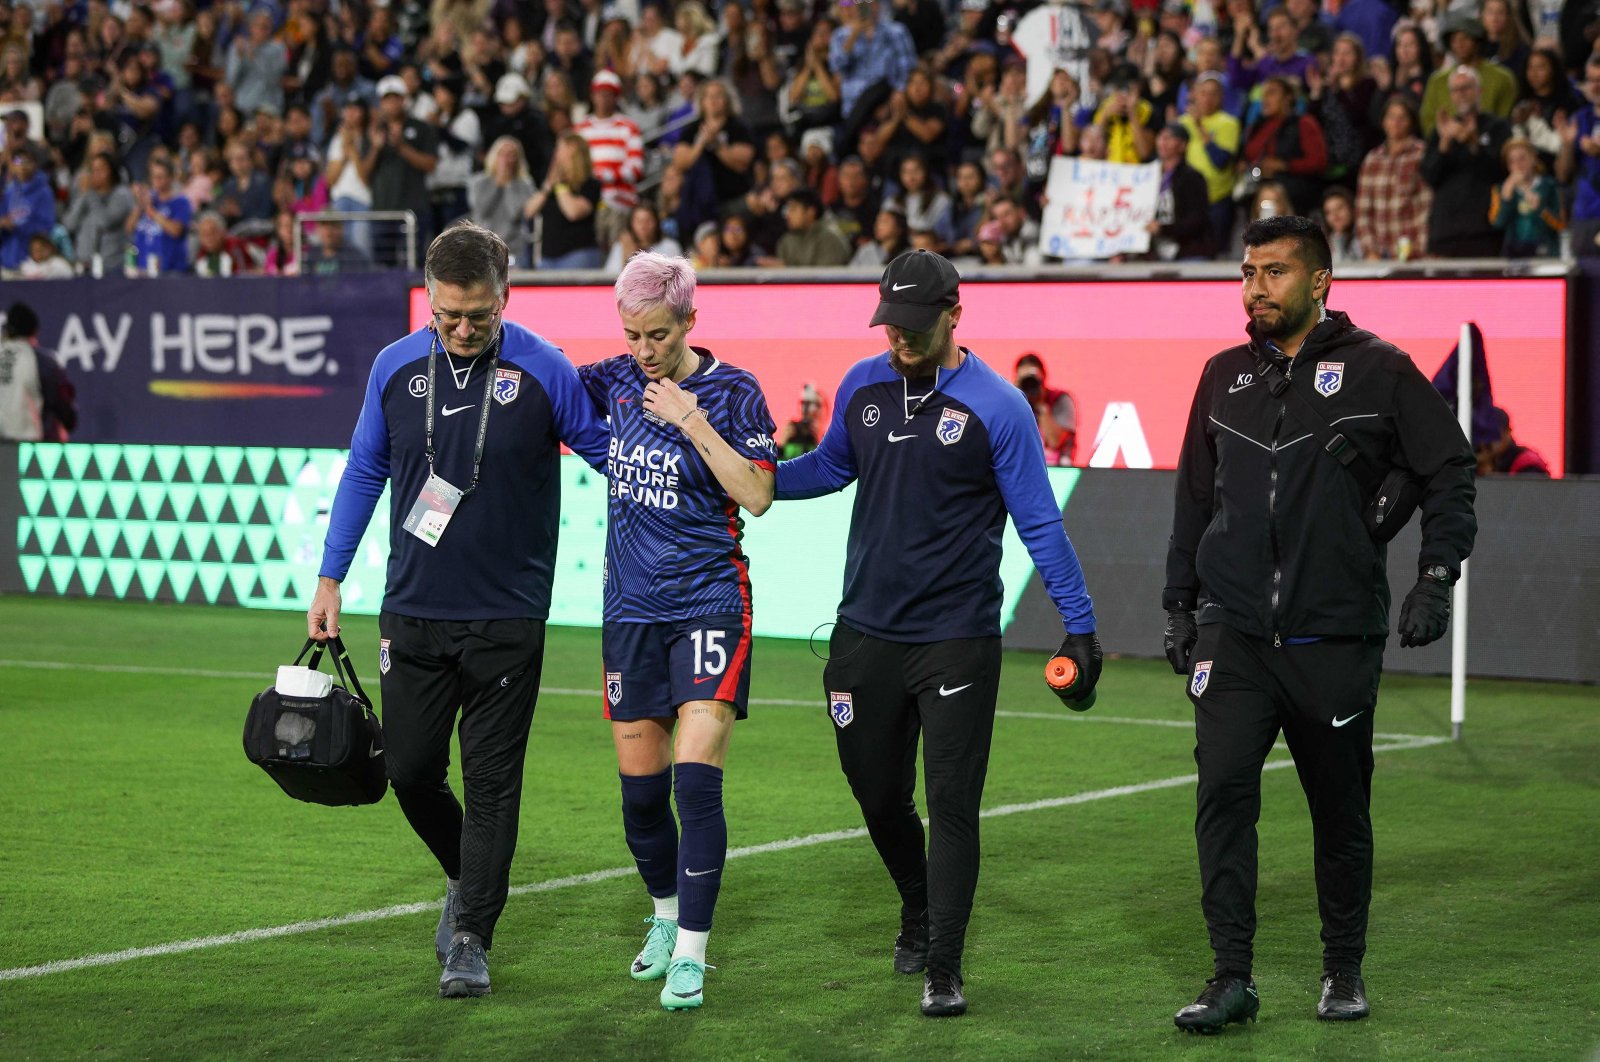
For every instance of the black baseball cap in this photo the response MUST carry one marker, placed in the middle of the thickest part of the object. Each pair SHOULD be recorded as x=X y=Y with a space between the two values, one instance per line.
x=916 y=288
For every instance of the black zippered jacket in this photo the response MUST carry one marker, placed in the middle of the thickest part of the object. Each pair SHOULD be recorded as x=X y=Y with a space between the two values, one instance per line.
x=1267 y=535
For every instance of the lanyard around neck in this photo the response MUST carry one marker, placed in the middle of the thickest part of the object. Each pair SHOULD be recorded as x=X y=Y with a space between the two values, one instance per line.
x=483 y=413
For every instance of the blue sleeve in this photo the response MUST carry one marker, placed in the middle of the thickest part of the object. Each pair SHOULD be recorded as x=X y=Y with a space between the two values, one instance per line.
x=751 y=423
x=577 y=423
x=839 y=60
x=832 y=465
x=1019 y=470
x=365 y=474
x=905 y=58
x=182 y=210
x=595 y=382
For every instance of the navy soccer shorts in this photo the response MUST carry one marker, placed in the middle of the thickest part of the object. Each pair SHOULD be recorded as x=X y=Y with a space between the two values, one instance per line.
x=652 y=668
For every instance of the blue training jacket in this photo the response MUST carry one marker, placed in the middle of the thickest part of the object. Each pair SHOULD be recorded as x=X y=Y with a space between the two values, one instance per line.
x=497 y=556
x=939 y=471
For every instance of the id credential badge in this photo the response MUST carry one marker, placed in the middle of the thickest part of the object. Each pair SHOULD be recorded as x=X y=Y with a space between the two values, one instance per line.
x=430 y=513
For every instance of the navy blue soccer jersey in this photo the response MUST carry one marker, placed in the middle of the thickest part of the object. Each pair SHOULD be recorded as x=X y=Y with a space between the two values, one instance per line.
x=497 y=556
x=672 y=551
x=939 y=468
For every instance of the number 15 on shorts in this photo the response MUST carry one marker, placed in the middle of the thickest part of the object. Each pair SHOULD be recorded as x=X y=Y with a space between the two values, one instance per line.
x=710 y=655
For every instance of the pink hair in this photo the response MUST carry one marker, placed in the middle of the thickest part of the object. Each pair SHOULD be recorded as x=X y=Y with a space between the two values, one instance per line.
x=650 y=279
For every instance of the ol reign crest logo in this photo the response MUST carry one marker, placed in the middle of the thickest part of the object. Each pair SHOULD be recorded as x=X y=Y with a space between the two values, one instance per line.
x=1330 y=375
x=614 y=688
x=840 y=708
x=383 y=656
x=507 y=382
x=952 y=422
x=1202 y=678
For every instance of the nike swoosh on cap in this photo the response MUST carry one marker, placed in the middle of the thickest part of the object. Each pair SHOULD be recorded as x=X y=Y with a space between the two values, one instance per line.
x=945 y=693
x=901 y=287
x=449 y=411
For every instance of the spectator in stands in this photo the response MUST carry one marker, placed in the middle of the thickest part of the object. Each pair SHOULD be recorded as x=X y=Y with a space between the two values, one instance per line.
x=1504 y=456
x=97 y=217
x=1284 y=146
x=1504 y=41
x=257 y=64
x=812 y=96
x=810 y=240
x=565 y=205
x=1210 y=58
x=1463 y=164
x=752 y=70
x=697 y=47
x=333 y=254
x=1019 y=243
x=45 y=260
x=344 y=81
x=1181 y=229
x=763 y=207
x=856 y=210
x=991 y=244
x=642 y=233
x=1393 y=202
x=1497 y=87
x=1409 y=65
x=1055 y=410
x=999 y=122
x=738 y=252
x=216 y=254
x=1339 y=224
x=1526 y=206
x=306 y=186
x=1125 y=118
x=1371 y=20
x=958 y=232
x=1213 y=144
x=916 y=123
x=17 y=83
x=69 y=93
x=1254 y=61
x=280 y=258
x=648 y=106
x=203 y=175
x=923 y=203
x=613 y=50
x=1579 y=164
x=460 y=142
x=1342 y=102
x=519 y=118
x=1049 y=127
x=872 y=55
x=246 y=195
x=382 y=49
x=134 y=109
x=714 y=155
x=816 y=164
x=616 y=147
x=17 y=139
x=27 y=206
x=707 y=252
x=654 y=43
x=403 y=152
x=269 y=140
x=1547 y=97
x=159 y=222
x=889 y=238
x=496 y=197
x=349 y=168
x=1269 y=200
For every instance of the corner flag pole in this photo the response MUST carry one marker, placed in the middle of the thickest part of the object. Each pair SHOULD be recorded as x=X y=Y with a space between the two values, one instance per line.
x=1458 y=629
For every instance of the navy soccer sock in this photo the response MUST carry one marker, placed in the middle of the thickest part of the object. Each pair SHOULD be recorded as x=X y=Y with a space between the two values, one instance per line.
x=652 y=834
x=705 y=843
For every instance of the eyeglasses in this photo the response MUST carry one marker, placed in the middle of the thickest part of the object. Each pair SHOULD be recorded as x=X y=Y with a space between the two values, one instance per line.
x=448 y=321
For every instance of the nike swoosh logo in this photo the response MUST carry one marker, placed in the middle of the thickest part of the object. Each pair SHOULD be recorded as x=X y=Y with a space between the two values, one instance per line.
x=700 y=873
x=901 y=287
x=687 y=995
x=1240 y=387
x=450 y=411
x=945 y=693
x=708 y=678
x=623 y=401
x=1342 y=722
x=374 y=754
x=901 y=438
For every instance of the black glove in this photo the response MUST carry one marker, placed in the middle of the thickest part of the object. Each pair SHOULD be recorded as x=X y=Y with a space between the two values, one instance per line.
x=1083 y=650
x=1425 y=613
x=1180 y=638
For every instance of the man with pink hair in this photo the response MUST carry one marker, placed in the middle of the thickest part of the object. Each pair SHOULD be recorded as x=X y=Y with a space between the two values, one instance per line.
x=691 y=444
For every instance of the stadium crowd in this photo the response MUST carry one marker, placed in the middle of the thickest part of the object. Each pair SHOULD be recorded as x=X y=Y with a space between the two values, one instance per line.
x=190 y=137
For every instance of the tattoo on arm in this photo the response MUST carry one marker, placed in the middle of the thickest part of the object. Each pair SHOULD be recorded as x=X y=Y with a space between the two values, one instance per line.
x=705 y=449
x=751 y=465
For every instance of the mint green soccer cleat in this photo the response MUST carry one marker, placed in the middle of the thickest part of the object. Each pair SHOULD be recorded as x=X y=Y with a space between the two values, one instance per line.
x=652 y=961
x=685 y=987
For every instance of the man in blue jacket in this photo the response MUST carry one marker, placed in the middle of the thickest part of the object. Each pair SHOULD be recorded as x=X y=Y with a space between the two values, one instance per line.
x=944 y=448
x=464 y=420
x=28 y=208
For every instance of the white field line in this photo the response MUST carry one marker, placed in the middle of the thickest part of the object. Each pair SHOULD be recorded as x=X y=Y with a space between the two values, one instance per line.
x=1400 y=742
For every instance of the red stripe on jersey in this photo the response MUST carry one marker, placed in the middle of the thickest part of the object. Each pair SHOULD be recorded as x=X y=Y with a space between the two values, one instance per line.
x=770 y=466
x=728 y=688
x=605 y=702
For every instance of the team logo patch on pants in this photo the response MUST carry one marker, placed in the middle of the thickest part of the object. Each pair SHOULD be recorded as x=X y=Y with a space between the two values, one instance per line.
x=1202 y=678
x=614 y=687
x=383 y=656
x=840 y=708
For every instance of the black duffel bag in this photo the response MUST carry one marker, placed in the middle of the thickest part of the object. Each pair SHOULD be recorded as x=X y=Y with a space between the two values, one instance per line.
x=323 y=750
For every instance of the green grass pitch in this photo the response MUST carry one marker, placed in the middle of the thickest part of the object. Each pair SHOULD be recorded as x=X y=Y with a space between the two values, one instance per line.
x=133 y=821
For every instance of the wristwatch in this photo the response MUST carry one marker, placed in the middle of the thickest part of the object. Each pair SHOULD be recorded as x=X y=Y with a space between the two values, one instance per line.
x=1438 y=573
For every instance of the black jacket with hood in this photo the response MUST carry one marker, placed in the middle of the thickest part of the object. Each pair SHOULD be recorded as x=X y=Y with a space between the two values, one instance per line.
x=1268 y=534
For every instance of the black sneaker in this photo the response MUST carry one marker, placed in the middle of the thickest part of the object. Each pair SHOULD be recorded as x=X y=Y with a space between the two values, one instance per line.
x=466 y=968
x=1344 y=998
x=1225 y=999
x=941 y=995
x=446 y=932
x=911 y=946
